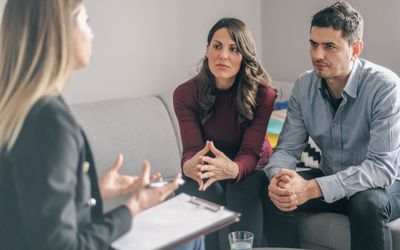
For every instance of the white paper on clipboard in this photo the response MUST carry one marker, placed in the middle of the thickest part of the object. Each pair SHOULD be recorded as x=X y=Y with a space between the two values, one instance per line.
x=173 y=222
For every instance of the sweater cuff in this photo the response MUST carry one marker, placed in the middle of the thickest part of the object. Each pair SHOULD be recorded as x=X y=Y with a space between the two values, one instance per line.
x=240 y=173
x=246 y=166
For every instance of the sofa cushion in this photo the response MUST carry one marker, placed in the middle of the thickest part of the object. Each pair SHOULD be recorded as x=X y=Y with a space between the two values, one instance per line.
x=140 y=128
x=332 y=231
x=395 y=226
x=324 y=229
x=166 y=98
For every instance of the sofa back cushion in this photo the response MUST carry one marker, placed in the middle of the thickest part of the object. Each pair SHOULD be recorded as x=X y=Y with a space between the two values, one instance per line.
x=139 y=128
x=166 y=98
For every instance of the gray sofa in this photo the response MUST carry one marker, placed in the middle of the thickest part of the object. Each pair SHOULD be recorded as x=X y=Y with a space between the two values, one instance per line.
x=146 y=128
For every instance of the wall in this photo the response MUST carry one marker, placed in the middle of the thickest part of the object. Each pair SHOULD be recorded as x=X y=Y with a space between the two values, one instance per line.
x=286 y=24
x=144 y=47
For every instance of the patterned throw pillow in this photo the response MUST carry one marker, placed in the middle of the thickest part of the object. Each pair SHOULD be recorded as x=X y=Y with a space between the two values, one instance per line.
x=310 y=158
x=275 y=126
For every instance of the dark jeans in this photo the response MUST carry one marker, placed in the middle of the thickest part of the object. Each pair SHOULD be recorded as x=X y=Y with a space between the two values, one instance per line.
x=243 y=197
x=369 y=212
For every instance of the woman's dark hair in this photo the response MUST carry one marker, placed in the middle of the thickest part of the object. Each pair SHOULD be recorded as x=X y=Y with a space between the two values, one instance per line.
x=250 y=75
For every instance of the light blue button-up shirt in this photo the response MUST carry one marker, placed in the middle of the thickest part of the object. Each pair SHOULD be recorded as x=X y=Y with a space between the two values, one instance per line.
x=360 y=143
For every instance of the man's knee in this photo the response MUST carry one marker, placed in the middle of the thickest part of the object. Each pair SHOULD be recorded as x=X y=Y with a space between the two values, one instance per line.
x=368 y=205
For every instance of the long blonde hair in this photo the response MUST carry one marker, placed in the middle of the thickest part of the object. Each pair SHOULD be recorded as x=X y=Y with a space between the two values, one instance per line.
x=35 y=58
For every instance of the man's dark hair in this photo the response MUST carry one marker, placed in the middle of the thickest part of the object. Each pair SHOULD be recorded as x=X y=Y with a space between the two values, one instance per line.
x=341 y=16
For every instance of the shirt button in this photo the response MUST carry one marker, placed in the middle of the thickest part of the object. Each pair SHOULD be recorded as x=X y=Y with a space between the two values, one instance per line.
x=85 y=167
x=91 y=202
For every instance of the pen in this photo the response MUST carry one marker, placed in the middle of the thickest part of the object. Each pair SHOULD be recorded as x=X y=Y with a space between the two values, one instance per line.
x=158 y=184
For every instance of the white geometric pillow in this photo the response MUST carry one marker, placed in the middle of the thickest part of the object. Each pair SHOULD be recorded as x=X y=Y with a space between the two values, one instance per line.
x=311 y=156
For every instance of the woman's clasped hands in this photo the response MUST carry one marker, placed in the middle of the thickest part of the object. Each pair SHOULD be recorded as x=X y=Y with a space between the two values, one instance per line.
x=206 y=170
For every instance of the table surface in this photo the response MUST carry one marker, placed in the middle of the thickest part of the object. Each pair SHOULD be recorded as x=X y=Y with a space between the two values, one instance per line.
x=275 y=248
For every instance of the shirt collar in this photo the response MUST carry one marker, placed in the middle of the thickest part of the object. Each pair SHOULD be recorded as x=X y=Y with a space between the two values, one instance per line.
x=351 y=85
x=352 y=82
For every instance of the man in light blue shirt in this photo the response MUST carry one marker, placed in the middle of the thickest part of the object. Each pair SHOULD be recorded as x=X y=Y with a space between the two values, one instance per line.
x=351 y=109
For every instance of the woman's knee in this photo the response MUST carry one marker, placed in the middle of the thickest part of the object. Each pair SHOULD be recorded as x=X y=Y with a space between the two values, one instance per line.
x=254 y=181
x=249 y=190
x=215 y=193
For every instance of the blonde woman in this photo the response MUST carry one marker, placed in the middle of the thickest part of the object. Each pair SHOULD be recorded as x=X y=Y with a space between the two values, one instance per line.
x=50 y=197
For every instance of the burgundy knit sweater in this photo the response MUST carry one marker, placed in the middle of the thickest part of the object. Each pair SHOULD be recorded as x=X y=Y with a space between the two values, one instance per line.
x=246 y=145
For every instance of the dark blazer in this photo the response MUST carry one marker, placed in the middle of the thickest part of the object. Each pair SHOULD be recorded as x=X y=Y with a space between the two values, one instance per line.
x=49 y=195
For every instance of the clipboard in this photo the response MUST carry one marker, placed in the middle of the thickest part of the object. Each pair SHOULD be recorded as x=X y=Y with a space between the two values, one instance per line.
x=174 y=222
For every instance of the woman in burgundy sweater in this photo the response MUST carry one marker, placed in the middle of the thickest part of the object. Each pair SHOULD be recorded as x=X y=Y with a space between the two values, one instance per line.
x=223 y=114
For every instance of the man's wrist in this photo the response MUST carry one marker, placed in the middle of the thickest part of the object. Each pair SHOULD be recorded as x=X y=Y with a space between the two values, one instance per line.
x=313 y=189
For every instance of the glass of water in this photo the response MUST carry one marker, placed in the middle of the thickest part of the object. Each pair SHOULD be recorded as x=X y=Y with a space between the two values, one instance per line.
x=241 y=240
